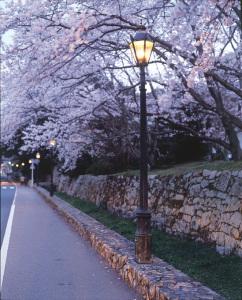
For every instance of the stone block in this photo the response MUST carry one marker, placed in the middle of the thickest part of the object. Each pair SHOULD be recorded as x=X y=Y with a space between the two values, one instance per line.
x=236 y=219
x=196 y=200
x=188 y=210
x=236 y=189
x=220 y=238
x=210 y=193
x=222 y=196
x=204 y=183
x=205 y=219
x=235 y=233
x=226 y=228
x=194 y=190
x=222 y=181
x=206 y=173
x=199 y=213
x=195 y=224
x=187 y=218
x=179 y=197
x=235 y=206
x=229 y=243
x=212 y=175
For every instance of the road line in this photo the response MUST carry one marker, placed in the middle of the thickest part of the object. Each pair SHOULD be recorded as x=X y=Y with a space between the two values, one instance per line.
x=6 y=239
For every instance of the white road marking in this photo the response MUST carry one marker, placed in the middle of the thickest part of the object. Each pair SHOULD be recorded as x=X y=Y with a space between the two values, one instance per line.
x=4 y=187
x=6 y=239
x=12 y=187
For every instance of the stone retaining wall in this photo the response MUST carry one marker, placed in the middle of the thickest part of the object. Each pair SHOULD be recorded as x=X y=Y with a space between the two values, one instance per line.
x=155 y=281
x=206 y=206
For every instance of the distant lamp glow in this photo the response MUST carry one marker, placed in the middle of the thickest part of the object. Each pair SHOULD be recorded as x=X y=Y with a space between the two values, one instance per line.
x=38 y=155
x=23 y=164
x=9 y=163
x=12 y=164
x=30 y=161
x=141 y=47
x=17 y=165
x=52 y=142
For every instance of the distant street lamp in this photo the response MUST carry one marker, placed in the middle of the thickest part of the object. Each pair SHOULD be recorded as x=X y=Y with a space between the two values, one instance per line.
x=52 y=144
x=23 y=164
x=141 y=47
x=37 y=167
x=31 y=162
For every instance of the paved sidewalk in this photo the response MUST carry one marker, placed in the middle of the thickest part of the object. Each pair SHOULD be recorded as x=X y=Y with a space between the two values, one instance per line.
x=47 y=260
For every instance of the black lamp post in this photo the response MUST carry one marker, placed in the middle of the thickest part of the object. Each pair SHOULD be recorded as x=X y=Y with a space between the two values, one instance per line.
x=52 y=144
x=141 y=47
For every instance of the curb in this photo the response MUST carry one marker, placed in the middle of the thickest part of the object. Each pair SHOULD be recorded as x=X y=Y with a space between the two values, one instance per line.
x=155 y=281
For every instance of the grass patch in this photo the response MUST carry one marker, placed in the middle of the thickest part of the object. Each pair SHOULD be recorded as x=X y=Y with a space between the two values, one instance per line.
x=203 y=263
x=190 y=167
x=122 y=226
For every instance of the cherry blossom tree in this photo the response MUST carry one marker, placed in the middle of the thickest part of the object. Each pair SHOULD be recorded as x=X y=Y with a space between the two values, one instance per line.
x=69 y=67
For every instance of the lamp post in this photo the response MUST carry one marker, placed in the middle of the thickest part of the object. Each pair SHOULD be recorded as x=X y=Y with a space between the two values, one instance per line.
x=52 y=144
x=141 y=47
x=37 y=167
x=32 y=171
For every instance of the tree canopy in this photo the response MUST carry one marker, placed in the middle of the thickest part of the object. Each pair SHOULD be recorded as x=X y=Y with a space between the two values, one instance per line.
x=67 y=73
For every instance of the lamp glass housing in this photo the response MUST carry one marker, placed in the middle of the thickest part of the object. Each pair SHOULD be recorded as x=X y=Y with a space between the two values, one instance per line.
x=141 y=47
x=38 y=155
x=52 y=142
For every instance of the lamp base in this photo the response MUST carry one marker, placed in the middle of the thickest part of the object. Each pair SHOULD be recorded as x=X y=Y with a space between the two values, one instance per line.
x=143 y=238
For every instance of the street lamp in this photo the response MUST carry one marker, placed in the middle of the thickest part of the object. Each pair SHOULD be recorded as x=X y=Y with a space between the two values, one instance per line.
x=141 y=47
x=37 y=167
x=52 y=144
x=31 y=162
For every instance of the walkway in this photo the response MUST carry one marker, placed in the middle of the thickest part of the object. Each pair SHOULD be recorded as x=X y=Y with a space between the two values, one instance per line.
x=47 y=260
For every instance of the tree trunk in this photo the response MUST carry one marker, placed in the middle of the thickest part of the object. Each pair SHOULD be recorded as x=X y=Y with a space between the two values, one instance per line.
x=234 y=142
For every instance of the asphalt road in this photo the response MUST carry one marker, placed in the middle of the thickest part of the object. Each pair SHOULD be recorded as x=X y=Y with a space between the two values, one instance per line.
x=7 y=196
x=47 y=260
